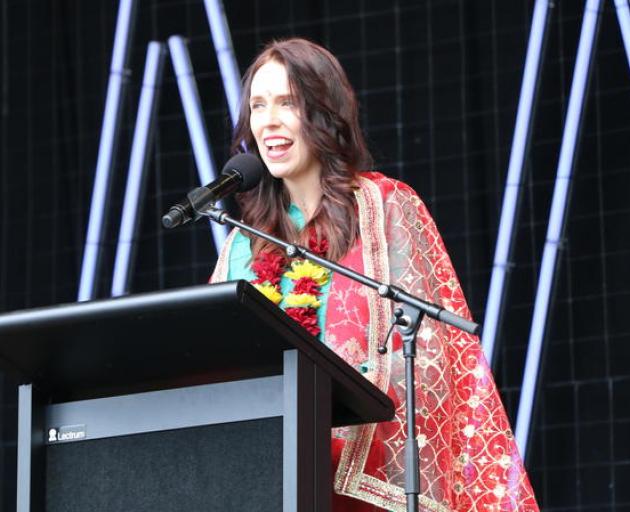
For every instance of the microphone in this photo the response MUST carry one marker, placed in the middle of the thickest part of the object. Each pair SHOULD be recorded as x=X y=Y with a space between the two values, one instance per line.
x=242 y=172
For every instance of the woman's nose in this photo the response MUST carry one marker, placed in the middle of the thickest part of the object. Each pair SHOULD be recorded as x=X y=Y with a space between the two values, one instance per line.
x=271 y=116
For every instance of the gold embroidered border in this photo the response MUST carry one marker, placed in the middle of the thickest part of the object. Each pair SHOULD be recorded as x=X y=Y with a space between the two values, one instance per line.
x=221 y=268
x=352 y=460
x=376 y=264
x=392 y=497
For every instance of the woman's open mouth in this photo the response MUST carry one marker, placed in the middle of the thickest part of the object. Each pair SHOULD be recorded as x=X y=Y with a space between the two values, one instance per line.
x=277 y=147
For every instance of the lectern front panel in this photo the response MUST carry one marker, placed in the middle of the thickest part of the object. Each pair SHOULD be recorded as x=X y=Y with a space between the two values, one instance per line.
x=231 y=466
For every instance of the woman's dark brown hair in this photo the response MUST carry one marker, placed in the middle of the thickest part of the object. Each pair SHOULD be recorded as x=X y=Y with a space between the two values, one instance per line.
x=330 y=126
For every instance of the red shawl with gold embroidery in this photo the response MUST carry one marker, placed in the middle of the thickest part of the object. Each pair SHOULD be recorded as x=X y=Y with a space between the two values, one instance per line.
x=468 y=457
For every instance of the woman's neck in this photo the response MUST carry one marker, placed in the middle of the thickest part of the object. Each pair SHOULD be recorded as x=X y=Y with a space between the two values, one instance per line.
x=305 y=192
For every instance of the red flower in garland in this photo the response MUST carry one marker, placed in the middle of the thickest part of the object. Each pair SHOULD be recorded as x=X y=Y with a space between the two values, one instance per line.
x=306 y=285
x=269 y=267
x=306 y=317
x=319 y=247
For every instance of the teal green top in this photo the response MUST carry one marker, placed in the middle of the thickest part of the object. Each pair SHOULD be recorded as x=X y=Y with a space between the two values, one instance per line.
x=241 y=257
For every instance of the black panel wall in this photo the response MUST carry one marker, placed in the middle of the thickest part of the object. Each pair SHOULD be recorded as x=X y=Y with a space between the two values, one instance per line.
x=438 y=82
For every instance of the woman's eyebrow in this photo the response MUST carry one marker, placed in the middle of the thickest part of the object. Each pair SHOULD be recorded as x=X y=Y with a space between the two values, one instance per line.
x=279 y=96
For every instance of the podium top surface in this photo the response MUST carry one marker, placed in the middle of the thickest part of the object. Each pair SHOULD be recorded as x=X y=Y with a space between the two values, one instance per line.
x=208 y=333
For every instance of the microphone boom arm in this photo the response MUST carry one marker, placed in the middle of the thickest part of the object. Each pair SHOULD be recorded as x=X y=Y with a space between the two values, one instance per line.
x=387 y=291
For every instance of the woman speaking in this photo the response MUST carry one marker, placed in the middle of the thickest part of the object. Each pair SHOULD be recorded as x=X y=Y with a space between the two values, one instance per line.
x=300 y=115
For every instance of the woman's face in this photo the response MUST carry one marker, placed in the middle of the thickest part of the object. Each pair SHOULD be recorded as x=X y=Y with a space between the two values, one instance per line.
x=275 y=123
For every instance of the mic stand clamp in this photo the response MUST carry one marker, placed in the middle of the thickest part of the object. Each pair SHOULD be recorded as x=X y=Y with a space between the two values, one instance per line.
x=413 y=311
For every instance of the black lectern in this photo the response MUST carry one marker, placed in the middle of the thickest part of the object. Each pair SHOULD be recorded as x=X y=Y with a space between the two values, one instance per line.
x=203 y=398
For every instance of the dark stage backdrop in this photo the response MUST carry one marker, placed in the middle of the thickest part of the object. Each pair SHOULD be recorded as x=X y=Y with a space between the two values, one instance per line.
x=438 y=82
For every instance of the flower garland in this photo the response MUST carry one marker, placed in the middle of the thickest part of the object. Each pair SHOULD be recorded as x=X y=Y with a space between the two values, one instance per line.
x=308 y=278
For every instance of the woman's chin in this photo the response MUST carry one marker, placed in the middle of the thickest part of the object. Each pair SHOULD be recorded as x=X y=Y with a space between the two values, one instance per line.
x=278 y=171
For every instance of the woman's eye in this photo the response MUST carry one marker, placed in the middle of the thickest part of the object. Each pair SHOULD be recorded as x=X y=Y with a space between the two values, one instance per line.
x=256 y=106
x=287 y=103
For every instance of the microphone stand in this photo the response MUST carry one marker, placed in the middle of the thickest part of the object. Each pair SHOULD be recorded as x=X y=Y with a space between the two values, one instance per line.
x=413 y=311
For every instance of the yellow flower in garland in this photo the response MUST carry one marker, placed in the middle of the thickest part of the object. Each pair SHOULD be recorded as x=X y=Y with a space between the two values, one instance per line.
x=301 y=300
x=269 y=291
x=304 y=268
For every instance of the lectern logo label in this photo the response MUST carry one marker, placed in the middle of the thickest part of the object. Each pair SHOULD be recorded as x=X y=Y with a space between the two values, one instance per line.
x=66 y=433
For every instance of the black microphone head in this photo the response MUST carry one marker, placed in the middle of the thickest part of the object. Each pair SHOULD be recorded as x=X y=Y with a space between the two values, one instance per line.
x=248 y=166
